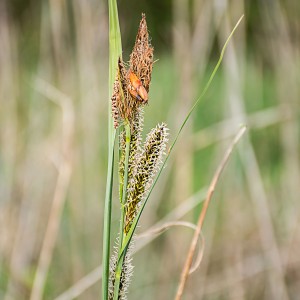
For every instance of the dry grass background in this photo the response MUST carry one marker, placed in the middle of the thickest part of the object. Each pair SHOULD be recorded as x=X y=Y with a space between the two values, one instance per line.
x=53 y=133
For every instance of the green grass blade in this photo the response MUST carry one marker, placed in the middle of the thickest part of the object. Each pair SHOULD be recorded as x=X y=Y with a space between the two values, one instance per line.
x=107 y=219
x=135 y=222
x=115 y=51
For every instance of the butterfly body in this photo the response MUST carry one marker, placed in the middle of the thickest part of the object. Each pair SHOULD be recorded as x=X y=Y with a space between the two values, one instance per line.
x=136 y=88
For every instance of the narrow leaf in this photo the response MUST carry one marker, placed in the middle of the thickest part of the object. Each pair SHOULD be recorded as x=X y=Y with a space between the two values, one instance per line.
x=135 y=222
x=115 y=51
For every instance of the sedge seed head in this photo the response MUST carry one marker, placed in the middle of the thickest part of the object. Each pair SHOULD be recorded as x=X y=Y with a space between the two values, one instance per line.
x=141 y=58
x=149 y=162
x=126 y=274
x=125 y=98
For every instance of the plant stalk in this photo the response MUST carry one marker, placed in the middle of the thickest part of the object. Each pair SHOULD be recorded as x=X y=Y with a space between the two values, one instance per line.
x=115 y=51
x=124 y=197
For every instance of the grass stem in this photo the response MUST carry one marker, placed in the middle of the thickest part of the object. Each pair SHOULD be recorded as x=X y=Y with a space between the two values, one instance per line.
x=115 y=51
x=210 y=192
x=124 y=195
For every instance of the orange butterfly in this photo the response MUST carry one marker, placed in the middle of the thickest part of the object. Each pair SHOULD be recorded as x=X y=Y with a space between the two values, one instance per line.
x=136 y=89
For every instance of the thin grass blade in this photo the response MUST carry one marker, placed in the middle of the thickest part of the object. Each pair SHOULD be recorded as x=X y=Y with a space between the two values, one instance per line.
x=115 y=51
x=135 y=222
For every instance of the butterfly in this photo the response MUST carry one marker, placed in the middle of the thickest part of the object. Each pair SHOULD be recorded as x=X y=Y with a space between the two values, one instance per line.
x=136 y=88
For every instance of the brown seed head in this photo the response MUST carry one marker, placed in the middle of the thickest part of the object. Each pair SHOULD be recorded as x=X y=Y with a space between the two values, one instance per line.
x=132 y=86
x=141 y=58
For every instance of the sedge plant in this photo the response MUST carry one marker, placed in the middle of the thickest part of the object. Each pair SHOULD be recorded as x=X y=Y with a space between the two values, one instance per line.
x=139 y=163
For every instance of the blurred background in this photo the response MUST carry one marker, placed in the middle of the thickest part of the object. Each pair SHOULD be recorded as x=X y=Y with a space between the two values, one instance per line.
x=53 y=154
